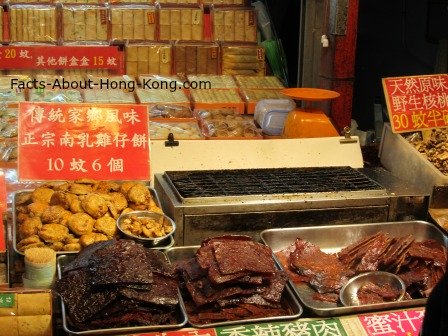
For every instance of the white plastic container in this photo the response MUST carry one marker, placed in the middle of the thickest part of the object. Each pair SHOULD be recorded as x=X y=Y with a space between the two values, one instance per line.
x=270 y=114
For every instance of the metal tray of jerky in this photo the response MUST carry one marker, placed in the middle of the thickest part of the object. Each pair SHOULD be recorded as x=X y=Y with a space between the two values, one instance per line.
x=414 y=250
x=122 y=308
x=289 y=302
x=62 y=208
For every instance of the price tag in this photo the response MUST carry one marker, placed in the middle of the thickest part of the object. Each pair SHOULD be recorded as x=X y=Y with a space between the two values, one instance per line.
x=61 y=57
x=71 y=141
x=7 y=300
x=417 y=103
x=151 y=18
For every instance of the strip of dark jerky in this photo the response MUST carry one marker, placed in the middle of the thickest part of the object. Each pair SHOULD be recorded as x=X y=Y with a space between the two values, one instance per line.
x=191 y=268
x=119 y=264
x=163 y=292
x=349 y=253
x=275 y=288
x=399 y=246
x=327 y=297
x=195 y=291
x=370 y=260
x=239 y=256
x=224 y=238
x=158 y=262
x=431 y=253
x=82 y=259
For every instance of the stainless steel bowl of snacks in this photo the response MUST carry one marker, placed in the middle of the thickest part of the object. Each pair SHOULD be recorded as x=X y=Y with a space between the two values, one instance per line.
x=147 y=227
x=372 y=288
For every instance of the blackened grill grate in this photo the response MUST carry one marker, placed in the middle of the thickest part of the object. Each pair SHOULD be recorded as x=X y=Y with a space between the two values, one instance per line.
x=240 y=182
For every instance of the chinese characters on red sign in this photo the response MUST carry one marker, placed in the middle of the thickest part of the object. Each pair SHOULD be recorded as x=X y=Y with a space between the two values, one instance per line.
x=71 y=141
x=404 y=323
x=417 y=102
x=61 y=57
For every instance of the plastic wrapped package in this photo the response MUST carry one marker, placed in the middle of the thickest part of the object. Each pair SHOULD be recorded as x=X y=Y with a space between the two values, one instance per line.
x=33 y=23
x=121 y=82
x=84 y=23
x=259 y=82
x=271 y=114
x=11 y=96
x=200 y=58
x=151 y=96
x=8 y=150
x=243 y=60
x=132 y=23
x=8 y=128
x=180 y=2
x=6 y=81
x=234 y=24
x=81 y=74
x=170 y=111
x=213 y=81
x=132 y=1
x=217 y=98
x=149 y=81
x=226 y=123
x=181 y=23
x=253 y=96
x=55 y=96
x=106 y=96
x=182 y=130
x=84 y=2
x=148 y=58
x=224 y=2
x=8 y=113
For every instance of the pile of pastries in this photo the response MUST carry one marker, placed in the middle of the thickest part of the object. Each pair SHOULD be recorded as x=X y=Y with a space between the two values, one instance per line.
x=68 y=216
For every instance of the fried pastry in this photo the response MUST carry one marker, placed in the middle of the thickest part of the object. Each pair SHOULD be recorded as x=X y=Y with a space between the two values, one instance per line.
x=55 y=214
x=90 y=238
x=42 y=194
x=106 y=225
x=51 y=233
x=94 y=205
x=30 y=227
x=81 y=223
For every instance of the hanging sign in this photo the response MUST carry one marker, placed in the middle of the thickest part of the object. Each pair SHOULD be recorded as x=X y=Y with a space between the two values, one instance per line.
x=417 y=102
x=61 y=57
x=72 y=141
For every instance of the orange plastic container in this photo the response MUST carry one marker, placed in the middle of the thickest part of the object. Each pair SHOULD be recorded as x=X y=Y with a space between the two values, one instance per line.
x=309 y=122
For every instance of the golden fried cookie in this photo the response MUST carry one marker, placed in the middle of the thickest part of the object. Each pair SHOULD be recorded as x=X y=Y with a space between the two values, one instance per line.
x=139 y=194
x=106 y=187
x=37 y=208
x=22 y=198
x=106 y=225
x=60 y=198
x=30 y=227
x=27 y=241
x=57 y=246
x=24 y=248
x=80 y=189
x=75 y=203
x=126 y=186
x=53 y=232
x=91 y=238
x=62 y=186
x=71 y=239
x=42 y=194
x=72 y=247
x=55 y=214
x=21 y=217
x=94 y=205
x=81 y=223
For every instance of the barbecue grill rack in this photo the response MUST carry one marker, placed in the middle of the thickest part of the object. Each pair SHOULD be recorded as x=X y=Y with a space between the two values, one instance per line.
x=242 y=182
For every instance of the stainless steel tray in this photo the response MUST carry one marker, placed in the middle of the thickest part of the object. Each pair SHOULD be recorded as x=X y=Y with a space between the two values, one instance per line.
x=62 y=261
x=332 y=239
x=175 y=254
x=15 y=228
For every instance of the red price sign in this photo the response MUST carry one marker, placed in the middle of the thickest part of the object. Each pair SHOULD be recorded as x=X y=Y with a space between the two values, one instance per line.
x=417 y=102
x=61 y=57
x=401 y=323
x=72 y=141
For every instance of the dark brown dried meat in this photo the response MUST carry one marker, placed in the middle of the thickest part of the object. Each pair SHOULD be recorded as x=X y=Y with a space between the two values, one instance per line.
x=240 y=256
x=163 y=292
x=326 y=272
x=370 y=260
x=82 y=259
x=124 y=262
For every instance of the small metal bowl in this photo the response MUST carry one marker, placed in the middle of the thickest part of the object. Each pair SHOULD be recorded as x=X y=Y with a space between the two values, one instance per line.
x=150 y=242
x=349 y=293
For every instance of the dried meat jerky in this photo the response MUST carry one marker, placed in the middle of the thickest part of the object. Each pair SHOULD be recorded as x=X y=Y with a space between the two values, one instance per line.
x=133 y=266
x=163 y=292
x=82 y=259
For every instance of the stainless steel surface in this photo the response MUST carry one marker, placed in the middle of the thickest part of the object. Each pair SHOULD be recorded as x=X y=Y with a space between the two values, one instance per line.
x=332 y=238
x=169 y=243
x=404 y=161
x=349 y=292
x=289 y=299
x=202 y=217
x=182 y=316
x=152 y=242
